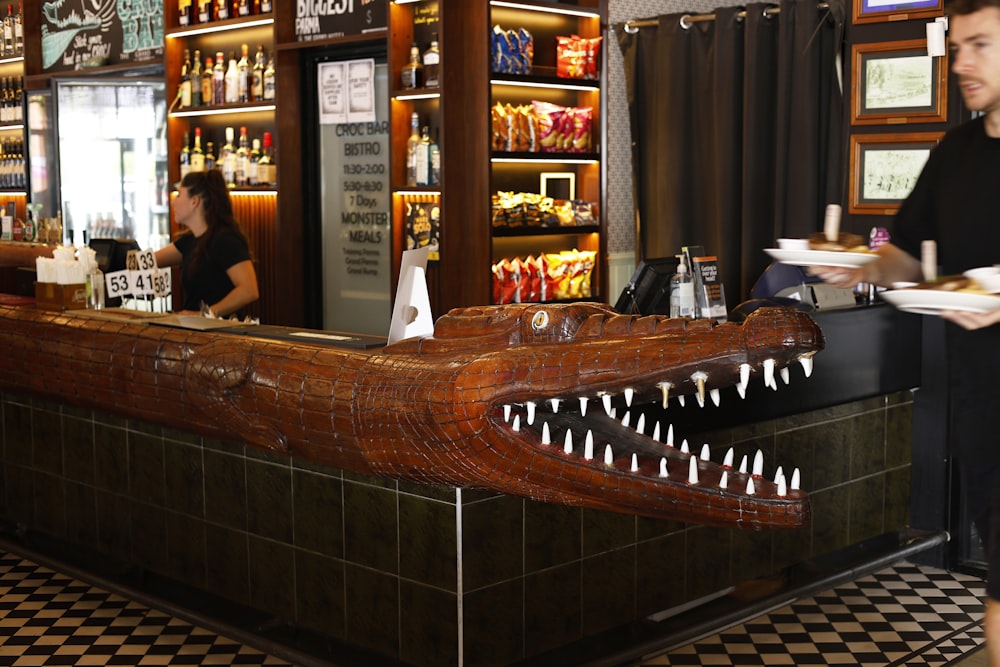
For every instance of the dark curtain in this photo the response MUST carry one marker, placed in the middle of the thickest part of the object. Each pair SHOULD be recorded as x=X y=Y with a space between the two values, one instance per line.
x=737 y=131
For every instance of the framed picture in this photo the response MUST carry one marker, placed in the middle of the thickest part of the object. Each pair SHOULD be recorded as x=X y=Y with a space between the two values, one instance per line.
x=884 y=169
x=872 y=11
x=898 y=83
x=558 y=185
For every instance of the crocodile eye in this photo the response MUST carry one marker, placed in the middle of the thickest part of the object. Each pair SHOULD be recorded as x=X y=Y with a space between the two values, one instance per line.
x=540 y=320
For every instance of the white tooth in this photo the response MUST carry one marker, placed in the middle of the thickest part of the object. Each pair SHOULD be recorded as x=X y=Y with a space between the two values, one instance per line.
x=568 y=445
x=614 y=413
x=769 y=374
x=705 y=454
x=743 y=465
x=724 y=480
x=751 y=490
x=546 y=436
x=626 y=419
x=727 y=461
x=554 y=402
x=656 y=431
x=684 y=447
x=758 y=463
x=517 y=423
x=635 y=461
x=629 y=393
x=665 y=389
x=807 y=364
x=640 y=424
x=606 y=400
x=680 y=399
x=693 y=471
x=782 y=489
x=531 y=412
x=670 y=436
x=506 y=413
x=778 y=474
x=583 y=406
x=588 y=446
x=700 y=378
x=785 y=376
x=609 y=458
x=663 y=467
x=796 y=479
x=716 y=396
x=745 y=374
x=700 y=397
x=741 y=389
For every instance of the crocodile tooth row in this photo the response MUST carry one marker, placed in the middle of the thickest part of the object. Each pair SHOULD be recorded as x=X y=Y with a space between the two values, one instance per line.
x=700 y=379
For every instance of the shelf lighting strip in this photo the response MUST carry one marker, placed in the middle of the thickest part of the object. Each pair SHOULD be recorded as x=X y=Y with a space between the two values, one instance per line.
x=7 y=128
x=534 y=84
x=219 y=28
x=421 y=193
x=216 y=112
x=12 y=59
x=244 y=193
x=546 y=10
x=419 y=96
x=533 y=160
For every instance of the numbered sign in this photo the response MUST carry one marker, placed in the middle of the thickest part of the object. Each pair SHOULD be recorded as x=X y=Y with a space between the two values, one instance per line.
x=118 y=283
x=143 y=283
x=162 y=282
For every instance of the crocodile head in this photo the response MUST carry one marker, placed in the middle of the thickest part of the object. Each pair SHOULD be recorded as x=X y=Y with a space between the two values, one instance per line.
x=569 y=404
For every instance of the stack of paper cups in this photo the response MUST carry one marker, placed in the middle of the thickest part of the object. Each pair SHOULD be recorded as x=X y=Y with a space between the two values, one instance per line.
x=831 y=223
x=928 y=259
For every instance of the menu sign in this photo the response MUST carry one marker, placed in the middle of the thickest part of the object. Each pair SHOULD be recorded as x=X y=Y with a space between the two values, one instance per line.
x=323 y=19
x=79 y=34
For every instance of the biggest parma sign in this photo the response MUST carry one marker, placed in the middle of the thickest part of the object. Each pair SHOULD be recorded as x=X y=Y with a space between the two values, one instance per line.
x=323 y=19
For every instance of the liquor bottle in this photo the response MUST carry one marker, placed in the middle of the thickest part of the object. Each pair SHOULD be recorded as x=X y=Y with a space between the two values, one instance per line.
x=196 y=85
x=243 y=8
x=184 y=13
x=19 y=29
x=209 y=156
x=232 y=80
x=222 y=10
x=244 y=84
x=206 y=82
x=266 y=172
x=206 y=11
x=197 y=155
x=186 y=80
x=265 y=6
x=227 y=156
x=18 y=99
x=185 y=157
x=269 y=81
x=257 y=77
x=243 y=159
x=435 y=163
x=432 y=62
x=219 y=79
x=411 y=150
x=253 y=166
x=6 y=115
x=423 y=158
x=413 y=71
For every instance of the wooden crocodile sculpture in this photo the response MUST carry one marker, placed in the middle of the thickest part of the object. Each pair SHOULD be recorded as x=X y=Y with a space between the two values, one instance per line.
x=540 y=401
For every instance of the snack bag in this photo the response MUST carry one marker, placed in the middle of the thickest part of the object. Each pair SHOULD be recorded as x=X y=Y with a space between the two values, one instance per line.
x=583 y=120
x=549 y=123
x=527 y=43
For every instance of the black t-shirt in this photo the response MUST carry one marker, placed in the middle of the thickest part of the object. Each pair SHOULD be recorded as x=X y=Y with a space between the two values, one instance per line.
x=956 y=202
x=209 y=282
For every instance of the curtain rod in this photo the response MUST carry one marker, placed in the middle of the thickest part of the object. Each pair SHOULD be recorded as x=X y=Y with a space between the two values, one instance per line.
x=688 y=19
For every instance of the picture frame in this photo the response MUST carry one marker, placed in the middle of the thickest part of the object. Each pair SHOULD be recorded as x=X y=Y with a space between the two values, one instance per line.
x=884 y=168
x=898 y=83
x=874 y=11
x=558 y=185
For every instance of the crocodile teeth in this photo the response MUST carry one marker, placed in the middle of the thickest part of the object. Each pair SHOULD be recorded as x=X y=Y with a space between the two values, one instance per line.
x=568 y=445
x=699 y=378
x=531 y=412
x=627 y=419
x=606 y=400
x=758 y=463
x=715 y=396
x=807 y=364
x=517 y=423
x=583 y=406
x=656 y=431
x=554 y=402
x=795 y=480
x=640 y=424
x=705 y=455
x=745 y=374
x=727 y=460
x=743 y=465
x=609 y=458
x=769 y=374
x=782 y=489
x=778 y=474
x=629 y=393
x=588 y=446
x=663 y=467
x=724 y=480
x=680 y=399
x=546 y=436
x=635 y=461
x=506 y=413
x=693 y=471
x=665 y=389
x=670 y=436
x=751 y=490
x=684 y=447
x=785 y=375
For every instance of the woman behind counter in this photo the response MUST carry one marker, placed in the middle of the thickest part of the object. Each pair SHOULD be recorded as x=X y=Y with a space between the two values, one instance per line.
x=213 y=253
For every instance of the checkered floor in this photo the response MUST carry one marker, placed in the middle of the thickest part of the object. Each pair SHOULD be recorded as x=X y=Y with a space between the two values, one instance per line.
x=47 y=618
x=903 y=615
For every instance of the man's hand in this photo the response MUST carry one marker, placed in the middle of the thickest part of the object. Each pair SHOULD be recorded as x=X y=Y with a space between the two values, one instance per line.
x=968 y=320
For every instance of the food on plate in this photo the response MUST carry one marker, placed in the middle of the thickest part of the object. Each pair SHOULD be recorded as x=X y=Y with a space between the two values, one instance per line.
x=846 y=242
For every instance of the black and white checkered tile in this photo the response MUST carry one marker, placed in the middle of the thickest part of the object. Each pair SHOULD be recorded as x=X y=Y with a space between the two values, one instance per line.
x=47 y=618
x=903 y=615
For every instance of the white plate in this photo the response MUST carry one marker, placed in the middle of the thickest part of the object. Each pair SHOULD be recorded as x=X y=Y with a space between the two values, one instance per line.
x=931 y=302
x=847 y=260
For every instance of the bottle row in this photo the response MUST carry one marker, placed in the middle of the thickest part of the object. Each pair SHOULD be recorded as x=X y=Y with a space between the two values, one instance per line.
x=11 y=96
x=217 y=83
x=13 y=174
x=423 y=157
x=244 y=163
x=13 y=31
x=422 y=71
x=193 y=12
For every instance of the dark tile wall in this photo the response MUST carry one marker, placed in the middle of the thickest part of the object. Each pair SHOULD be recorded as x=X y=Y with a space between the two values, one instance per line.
x=384 y=565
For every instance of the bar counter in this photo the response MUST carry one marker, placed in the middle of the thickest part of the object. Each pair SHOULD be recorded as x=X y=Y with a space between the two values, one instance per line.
x=425 y=573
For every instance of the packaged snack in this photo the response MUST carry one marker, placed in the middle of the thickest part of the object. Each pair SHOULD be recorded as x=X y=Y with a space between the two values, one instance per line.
x=583 y=121
x=549 y=117
x=527 y=43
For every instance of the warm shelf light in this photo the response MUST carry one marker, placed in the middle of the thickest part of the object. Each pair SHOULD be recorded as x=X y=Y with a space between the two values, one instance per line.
x=7 y=128
x=219 y=28
x=216 y=112
x=253 y=193
x=543 y=160
x=535 y=84
x=421 y=193
x=546 y=10
x=12 y=59
x=419 y=96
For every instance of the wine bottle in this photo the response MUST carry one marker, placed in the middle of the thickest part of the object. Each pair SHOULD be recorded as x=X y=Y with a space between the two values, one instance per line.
x=243 y=81
x=196 y=87
x=253 y=164
x=257 y=78
x=206 y=11
x=197 y=155
x=206 y=83
x=219 y=79
x=185 y=157
x=186 y=80
x=266 y=171
x=222 y=10
x=243 y=159
x=232 y=80
x=411 y=150
x=209 y=156
x=269 y=82
x=227 y=156
x=183 y=14
x=423 y=158
x=19 y=29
